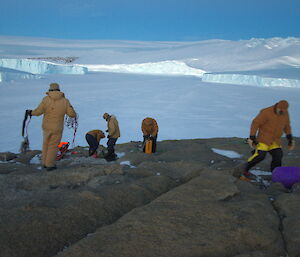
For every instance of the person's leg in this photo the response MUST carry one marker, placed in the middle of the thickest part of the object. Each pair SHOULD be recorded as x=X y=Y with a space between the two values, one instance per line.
x=257 y=157
x=144 y=143
x=111 y=148
x=154 y=144
x=92 y=143
x=277 y=155
x=54 y=140
x=243 y=170
x=46 y=136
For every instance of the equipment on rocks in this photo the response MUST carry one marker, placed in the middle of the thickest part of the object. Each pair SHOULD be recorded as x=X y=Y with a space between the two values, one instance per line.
x=288 y=176
x=72 y=123
x=101 y=151
x=25 y=143
x=63 y=148
x=148 y=146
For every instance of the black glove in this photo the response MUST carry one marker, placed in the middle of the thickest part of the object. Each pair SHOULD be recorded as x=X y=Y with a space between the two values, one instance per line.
x=289 y=137
x=253 y=138
x=29 y=112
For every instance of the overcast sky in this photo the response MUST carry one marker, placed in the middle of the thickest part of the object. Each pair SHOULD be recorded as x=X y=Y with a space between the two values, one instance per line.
x=157 y=20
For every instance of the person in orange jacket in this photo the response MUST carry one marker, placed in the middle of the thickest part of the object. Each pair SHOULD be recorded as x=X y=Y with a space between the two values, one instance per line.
x=54 y=107
x=265 y=133
x=93 y=138
x=150 y=131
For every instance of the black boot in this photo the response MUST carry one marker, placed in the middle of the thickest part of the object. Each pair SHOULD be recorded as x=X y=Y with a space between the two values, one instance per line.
x=110 y=156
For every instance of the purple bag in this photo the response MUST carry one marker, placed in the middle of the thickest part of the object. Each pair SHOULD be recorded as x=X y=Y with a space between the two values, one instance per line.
x=288 y=176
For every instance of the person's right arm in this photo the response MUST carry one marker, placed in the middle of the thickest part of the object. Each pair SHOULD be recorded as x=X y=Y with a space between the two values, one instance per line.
x=40 y=109
x=70 y=110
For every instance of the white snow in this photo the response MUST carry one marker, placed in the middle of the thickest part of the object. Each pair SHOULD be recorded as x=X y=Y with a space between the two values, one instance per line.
x=128 y=164
x=125 y=163
x=261 y=172
x=259 y=176
x=36 y=159
x=120 y=154
x=272 y=42
x=134 y=80
x=227 y=153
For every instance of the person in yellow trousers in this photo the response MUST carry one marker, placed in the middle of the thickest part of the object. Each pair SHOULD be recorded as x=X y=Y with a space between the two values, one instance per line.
x=150 y=131
x=265 y=133
x=54 y=106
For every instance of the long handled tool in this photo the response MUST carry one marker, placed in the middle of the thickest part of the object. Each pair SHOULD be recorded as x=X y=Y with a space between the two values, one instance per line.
x=72 y=123
x=25 y=143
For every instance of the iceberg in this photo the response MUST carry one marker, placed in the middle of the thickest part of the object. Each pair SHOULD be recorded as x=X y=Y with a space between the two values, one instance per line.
x=250 y=80
x=169 y=68
x=11 y=75
x=41 y=67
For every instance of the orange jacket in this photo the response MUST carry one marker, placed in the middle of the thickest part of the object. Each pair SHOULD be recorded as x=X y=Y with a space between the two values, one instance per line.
x=96 y=133
x=54 y=106
x=270 y=126
x=149 y=127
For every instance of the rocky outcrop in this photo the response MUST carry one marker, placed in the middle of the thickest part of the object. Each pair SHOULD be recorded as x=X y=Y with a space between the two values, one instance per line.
x=7 y=156
x=212 y=215
x=288 y=207
x=42 y=213
x=180 y=201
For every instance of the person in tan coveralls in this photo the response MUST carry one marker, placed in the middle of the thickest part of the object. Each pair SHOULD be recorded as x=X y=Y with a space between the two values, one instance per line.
x=150 y=131
x=265 y=136
x=113 y=135
x=93 y=138
x=54 y=106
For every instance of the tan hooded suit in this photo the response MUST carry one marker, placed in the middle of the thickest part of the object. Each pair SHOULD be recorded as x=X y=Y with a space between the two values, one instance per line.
x=113 y=127
x=54 y=106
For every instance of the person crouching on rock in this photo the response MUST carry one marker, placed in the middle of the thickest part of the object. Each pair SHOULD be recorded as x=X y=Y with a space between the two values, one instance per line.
x=265 y=133
x=54 y=106
x=93 y=138
x=150 y=131
x=113 y=135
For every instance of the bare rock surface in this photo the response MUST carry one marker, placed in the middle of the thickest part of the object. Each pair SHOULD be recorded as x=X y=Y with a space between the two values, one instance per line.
x=180 y=201
x=212 y=215
x=288 y=207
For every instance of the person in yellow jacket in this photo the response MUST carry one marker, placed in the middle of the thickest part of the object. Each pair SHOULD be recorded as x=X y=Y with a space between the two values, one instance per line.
x=150 y=131
x=265 y=133
x=113 y=135
x=93 y=138
x=54 y=106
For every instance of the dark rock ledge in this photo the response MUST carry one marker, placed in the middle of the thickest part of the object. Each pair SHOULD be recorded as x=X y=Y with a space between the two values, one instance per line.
x=181 y=201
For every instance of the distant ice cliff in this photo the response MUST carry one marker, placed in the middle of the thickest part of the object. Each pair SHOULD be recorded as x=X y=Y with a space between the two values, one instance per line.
x=250 y=80
x=41 y=67
x=169 y=68
x=11 y=69
x=11 y=75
